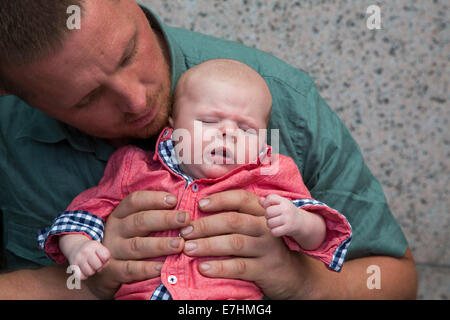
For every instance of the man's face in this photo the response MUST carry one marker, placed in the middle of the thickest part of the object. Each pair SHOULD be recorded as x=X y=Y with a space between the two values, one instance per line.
x=110 y=80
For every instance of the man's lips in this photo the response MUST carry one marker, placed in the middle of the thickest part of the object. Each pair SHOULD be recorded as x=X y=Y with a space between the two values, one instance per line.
x=144 y=119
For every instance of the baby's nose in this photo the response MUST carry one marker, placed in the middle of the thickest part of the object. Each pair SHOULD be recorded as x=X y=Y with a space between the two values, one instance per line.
x=228 y=129
x=230 y=134
x=228 y=126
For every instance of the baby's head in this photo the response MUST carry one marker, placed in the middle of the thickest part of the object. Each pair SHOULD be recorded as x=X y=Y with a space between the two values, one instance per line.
x=220 y=108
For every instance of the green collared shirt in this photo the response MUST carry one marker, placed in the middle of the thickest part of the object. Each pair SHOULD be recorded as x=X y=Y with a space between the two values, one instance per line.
x=44 y=163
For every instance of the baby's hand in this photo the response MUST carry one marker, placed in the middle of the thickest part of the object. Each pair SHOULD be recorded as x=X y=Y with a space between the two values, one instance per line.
x=282 y=215
x=89 y=255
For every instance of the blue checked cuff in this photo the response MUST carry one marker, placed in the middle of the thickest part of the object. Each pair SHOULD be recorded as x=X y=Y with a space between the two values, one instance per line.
x=69 y=222
x=340 y=252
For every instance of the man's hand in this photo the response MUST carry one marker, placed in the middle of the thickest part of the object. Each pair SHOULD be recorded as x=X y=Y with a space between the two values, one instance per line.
x=240 y=230
x=126 y=232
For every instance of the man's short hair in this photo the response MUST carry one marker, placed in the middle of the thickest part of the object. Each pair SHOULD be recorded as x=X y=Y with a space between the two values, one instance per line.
x=30 y=29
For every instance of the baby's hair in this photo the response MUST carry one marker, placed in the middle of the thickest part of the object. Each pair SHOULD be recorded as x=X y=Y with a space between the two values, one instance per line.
x=222 y=69
x=218 y=70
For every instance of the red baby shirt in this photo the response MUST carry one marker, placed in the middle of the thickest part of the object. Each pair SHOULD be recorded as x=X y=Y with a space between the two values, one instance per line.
x=132 y=169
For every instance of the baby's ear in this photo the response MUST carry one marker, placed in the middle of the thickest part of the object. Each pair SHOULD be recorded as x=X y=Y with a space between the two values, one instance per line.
x=171 y=122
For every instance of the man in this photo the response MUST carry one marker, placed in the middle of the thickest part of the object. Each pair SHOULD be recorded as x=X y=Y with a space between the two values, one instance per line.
x=109 y=84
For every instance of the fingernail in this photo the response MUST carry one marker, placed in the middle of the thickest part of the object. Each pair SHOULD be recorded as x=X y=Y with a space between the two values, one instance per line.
x=158 y=267
x=174 y=243
x=181 y=217
x=204 y=202
x=205 y=266
x=170 y=200
x=186 y=230
x=190 y=246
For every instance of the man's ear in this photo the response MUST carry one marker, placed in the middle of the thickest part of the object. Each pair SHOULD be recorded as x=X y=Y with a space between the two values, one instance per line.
x=171 y=122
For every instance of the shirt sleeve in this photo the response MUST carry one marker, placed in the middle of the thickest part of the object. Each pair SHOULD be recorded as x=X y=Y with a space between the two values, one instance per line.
x=282 y=177
x=335 y=173
x=89 y=210
x=338 y=237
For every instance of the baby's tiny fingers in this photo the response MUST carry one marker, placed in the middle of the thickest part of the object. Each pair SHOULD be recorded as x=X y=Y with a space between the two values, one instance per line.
x=272 y=199
x=86 y=270
x=273 y=211
x=103 y=254
x=77 y=272
x=95 y=263
x=274 y=222
x=103 y=266
x=279 y=231
x=261 y=201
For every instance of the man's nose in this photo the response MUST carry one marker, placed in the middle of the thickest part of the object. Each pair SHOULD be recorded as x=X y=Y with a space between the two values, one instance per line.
x=131 y=95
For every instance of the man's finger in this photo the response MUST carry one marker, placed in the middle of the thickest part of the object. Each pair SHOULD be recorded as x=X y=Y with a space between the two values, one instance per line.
x=224 y=223
x=227 y=245
x=144 y=200
x=142 y=223
x=148 y=247
x=236 y=268
x=129 y=271
x=232 y=200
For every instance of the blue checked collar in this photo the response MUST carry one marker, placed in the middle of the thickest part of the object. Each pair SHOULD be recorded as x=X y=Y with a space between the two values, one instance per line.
x=166 y=150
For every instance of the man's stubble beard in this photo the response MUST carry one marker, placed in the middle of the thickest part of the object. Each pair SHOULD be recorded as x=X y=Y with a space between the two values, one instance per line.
x=161 y=118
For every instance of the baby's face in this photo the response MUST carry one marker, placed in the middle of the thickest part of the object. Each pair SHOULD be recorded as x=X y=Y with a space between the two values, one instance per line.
x=226 y=122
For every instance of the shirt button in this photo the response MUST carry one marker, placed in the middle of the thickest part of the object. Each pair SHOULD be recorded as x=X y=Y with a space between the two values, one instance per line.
x=195 y=187
x=172 y=279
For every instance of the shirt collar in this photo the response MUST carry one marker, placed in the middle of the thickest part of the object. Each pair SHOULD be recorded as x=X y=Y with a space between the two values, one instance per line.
x=165 y=153
x=42 y=128
x=178 y=63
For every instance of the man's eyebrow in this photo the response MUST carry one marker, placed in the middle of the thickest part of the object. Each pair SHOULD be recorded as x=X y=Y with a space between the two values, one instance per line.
x=128 y=50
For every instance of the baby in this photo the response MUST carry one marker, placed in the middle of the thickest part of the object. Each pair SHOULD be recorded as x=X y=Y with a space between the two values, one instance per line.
x=216 y=142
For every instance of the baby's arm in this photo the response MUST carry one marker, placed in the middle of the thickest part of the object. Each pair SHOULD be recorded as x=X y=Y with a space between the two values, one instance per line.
x=89 y=255
x=285 y=219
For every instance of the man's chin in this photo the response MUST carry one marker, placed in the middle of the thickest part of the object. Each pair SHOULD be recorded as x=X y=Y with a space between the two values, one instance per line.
x=152 y=129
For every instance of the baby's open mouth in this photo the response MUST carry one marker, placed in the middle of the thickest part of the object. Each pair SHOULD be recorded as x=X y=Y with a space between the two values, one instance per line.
x=222 y=154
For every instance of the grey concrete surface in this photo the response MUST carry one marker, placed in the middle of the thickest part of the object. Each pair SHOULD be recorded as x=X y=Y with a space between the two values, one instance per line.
x=390 y=87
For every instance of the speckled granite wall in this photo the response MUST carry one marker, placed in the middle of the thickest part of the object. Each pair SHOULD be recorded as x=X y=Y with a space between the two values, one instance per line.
x=390 y=87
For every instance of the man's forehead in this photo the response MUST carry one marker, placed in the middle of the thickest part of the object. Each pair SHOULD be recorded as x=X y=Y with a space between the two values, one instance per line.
x=87 y=54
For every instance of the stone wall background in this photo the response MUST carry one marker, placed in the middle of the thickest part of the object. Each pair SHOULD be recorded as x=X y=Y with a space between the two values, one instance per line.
x=389 y=86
